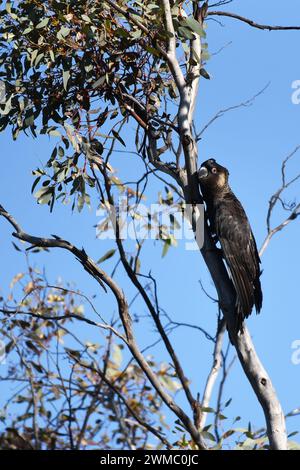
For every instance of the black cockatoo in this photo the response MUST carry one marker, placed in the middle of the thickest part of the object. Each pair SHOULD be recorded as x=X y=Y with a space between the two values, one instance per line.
x=230 y=224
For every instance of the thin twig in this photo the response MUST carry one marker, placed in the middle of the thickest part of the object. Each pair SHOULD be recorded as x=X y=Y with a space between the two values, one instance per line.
x=221 y=112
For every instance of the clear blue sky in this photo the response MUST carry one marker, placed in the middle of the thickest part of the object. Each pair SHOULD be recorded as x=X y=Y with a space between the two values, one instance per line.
x=252 y=143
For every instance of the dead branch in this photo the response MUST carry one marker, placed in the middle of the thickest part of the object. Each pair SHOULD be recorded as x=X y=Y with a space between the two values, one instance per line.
x=276 y=198
x=251 y=22
x=221 y=112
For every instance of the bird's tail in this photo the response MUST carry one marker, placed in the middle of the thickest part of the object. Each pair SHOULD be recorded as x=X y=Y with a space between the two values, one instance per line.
x=258 y=295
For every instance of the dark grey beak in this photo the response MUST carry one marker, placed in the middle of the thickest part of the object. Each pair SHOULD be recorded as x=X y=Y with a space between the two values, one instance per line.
x=202 y=172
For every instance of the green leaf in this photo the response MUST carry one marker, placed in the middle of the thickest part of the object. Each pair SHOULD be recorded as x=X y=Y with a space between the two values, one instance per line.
x=208 y=435
x=36 y=181
x=136 y=34
x=294 y=412
x=43 y=23
x=185 y=32
x=114 y=114
x=195 y=26
x=204 y=74
x=171 y=384
x=34 y=56
x=117 y=355
x=207 y=410
x=138 y=265
x=108 y=254
x=153 y=6
x=205 y=55
x=61 y=174
x=66 y=76
x=63 y=32
x=228 y=433
x=8 y=7
x=99 y=82
x=86 y=18
x=118 y=137
x=228 y=402
x=16 y=247
x=152 y=51
x=29 y=120
x=221 y=416
x=44 y=195
x=167 y=244
x=54 y=133
x=80 y=203
x=28 y=30
x=61 y=152
x=38 y=59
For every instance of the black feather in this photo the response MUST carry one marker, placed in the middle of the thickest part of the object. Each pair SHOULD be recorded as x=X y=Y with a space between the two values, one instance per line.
x=229 y=222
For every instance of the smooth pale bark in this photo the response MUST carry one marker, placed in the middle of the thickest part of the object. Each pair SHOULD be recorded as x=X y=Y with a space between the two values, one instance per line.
x=250 y=362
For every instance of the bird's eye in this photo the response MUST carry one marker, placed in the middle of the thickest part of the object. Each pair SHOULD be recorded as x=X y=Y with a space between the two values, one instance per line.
x=214 y=170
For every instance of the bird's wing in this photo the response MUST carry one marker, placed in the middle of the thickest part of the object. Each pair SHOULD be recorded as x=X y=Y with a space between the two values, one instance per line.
x=240 y=253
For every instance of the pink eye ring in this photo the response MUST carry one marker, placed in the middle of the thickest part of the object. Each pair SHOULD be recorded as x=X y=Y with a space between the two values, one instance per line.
x=214 y=170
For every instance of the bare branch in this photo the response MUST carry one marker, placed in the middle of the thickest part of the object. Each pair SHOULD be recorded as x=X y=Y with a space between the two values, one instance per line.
x=220 y=3
x=153 y=311
x=212 y=377
x=104 y=326
x=226 y=370
x=284 y=185
x=172 y=325
x=155 y=160
x=251 y=22
x=90 y=266
x=221 y=112
x=277 y=197
x=272 y=232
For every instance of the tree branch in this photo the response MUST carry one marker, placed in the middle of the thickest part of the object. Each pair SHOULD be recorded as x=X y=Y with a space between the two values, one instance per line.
x=212 y=377
x=128 y=16
x=277 y=197
x=171 y=45
x=141 y=422
x=64 y=317
x=225 y=374
x=251 y=22
x=221 y=112
x=102 y=277
x=154 y=313
x=253 y=368
x=195 y=60
x=278 y=228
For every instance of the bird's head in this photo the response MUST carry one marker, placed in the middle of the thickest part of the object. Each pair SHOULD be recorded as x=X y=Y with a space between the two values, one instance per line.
x=213 y=176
